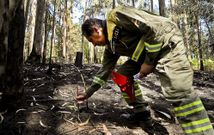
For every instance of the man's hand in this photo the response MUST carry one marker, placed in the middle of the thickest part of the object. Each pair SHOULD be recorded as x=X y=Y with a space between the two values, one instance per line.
x=81 y=97
x=146 y=69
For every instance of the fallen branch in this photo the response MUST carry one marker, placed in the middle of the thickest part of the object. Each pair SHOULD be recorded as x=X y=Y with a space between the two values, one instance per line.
x=86 y=122
x=44 y=100
x=22 y=109
x=43 y=125
x=78 y=106
x=63 y=133
x=69 y=121
x=1 y=118
x=105 y=130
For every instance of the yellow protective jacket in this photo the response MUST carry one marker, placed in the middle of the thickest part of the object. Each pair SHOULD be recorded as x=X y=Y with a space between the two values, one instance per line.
x=140 y=35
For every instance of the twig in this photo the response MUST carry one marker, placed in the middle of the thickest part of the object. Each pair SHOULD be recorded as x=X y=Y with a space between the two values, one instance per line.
x=69 y=121
x=43 y=125
x=22 y=109
x=86 y=122
x=64 y=112
x=78 y=117
x=44 y=100
x=78 y=107
x=63 y=94
x=1 y=118
x=105 y=130
x=83 y=80
x=63 y=133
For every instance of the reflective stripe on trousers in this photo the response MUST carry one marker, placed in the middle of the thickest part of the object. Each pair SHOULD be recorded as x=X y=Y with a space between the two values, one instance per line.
x=98 y=81
x=176 y=77
x=193 y=118
x=139 y=104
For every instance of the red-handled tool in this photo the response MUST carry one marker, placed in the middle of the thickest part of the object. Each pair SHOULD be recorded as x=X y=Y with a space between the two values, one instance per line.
x=126 y=85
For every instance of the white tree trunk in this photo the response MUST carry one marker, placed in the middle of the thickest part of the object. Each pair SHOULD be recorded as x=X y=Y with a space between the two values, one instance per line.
x=38 y=37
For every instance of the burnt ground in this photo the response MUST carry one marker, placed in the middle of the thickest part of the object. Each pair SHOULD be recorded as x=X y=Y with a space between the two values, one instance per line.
x=49 y=106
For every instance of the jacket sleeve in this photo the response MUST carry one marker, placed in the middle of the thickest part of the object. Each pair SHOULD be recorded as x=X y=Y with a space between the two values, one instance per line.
x=133 y=21
x=109 y=62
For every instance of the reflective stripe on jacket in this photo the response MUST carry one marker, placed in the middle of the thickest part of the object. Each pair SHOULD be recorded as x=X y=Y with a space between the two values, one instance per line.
x=139 y=30
x=136 y=34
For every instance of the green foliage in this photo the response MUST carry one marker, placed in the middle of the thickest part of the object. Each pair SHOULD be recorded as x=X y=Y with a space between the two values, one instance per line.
x=195 y=64
x=208 y=64
x=182 y=12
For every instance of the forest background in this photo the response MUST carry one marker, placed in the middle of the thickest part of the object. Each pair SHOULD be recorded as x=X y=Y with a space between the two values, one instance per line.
x=48 y=32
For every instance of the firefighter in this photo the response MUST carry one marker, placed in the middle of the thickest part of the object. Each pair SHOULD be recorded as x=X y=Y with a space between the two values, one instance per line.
x=153 y=44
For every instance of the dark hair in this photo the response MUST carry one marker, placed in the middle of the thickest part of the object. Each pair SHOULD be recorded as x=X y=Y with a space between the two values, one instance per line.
x=87 y=29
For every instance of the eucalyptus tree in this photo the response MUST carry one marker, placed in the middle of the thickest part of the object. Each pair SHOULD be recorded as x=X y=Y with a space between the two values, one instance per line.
x=162 y=7
x=12 y=26
x=195 y=19
x=36 y=53
x=30 y=17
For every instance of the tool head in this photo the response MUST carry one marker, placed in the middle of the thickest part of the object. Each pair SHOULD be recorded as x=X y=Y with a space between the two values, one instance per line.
x=119 y=79
x=126 y=85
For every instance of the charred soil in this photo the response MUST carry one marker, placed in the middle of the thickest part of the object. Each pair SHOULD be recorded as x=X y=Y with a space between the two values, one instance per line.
x=50 y=108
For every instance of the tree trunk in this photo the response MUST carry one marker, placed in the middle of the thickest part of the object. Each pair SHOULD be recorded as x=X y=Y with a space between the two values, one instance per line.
x=173 y=15
x=162 y=7
x=31 y=27
x=36 y=54
x=27 y=6
x=52 y=38
x=186 y=31
x=78 y=61
x=4 y=30
x=79 y=55
x=210 y=35
x=11 y=50
x=133 y=3
x=46 y=34
x=152 y=9
x=95 y=55
x=64 y=39
x=113 y=4
x=199 y=43
x=60 y=15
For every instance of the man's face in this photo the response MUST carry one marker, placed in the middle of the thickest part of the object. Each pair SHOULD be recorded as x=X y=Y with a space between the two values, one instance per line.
x=97 y=38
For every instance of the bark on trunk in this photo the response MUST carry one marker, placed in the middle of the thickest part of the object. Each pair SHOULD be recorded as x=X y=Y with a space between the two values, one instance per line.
x=64 y=45
x=36 y=55
x=11 y=50
x=162 y=7
x=199 y=44
x=78 y=61
x=46 y=34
